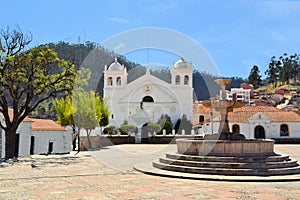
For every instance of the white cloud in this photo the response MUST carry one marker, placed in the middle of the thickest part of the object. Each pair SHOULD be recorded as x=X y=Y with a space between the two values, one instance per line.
x=277 y=37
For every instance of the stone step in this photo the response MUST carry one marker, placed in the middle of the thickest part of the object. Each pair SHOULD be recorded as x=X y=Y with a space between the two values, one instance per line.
x=227 y=171
x=255 y=159
x=230 y=164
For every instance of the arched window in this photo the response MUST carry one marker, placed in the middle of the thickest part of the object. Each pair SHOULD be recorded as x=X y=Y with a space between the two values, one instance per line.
x=236 y=128
x=186 y=80
x=148 y=99
x=284 y=130
x=177 y=80
x=109 y=81
x=119 y=81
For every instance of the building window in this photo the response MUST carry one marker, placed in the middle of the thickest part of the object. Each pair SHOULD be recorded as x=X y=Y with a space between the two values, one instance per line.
x=177 y=80
x=284 y=130
x=236 y=128
x=148 y=99
x=110 y=81
x=112 y=116
x=186 y=80
x=119 y=81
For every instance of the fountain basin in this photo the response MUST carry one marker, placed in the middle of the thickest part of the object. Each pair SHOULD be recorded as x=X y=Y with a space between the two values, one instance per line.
x=261 y=147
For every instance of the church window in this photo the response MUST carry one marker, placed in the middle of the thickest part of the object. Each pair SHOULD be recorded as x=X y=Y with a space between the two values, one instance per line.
x=284 y=130
x=177 y=80
x=118 y=80
x=110 y=81
x=186 y=80
x=236 y=128
x=148 y=99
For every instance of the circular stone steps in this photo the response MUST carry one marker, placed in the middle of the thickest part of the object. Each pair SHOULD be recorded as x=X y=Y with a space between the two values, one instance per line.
x=241 y=166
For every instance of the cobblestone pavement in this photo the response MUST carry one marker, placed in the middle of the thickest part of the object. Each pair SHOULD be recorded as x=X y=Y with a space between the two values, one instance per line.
x=96 y=175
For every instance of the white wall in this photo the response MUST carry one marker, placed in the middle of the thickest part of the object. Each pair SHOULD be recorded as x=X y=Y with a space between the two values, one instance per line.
x=272 y=129
x=62 y=141
x=24 y=143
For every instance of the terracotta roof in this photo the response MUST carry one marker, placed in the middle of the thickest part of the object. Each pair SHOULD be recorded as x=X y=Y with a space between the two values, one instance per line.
x=46 y=125
x=243 y=114
x=10 y=113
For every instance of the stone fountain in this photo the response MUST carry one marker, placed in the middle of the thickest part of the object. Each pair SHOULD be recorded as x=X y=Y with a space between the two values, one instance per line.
x=224 y=153
x=223 y=107
x=224 y=142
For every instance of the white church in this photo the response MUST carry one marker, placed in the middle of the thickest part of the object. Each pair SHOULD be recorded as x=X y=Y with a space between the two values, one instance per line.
x=146 y=98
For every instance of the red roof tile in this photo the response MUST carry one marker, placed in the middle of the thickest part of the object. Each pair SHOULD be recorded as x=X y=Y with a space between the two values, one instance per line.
x=243 y=114
x=10 y=113
x=46 y=125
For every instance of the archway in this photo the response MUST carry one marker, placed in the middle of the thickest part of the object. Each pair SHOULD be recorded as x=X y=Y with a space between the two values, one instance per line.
x=144 y=133
x=236 y=128
x=148 y=99
x=259 y=132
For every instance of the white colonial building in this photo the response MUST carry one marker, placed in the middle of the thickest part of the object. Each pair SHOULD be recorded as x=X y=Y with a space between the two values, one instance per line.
x=146 y=98
x=39 y=136
x=256 y=122
x=265 y=122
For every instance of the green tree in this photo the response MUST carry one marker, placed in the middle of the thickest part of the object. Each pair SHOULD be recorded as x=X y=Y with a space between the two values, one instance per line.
x=64 y=110
x=289 y=67
x=166 y=124
x=105 y=114
x=183 y=124
x=27 y=78
x=254 y=78
x=87 y=108
x=273 y=71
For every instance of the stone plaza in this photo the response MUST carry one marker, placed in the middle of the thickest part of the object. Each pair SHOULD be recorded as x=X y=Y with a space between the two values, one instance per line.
x=108 y=174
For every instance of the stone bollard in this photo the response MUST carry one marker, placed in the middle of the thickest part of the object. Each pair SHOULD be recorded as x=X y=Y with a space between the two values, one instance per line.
x=183 y=132
x=192 y=132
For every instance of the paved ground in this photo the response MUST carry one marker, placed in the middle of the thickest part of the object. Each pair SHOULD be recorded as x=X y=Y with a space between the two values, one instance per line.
x=108 y=174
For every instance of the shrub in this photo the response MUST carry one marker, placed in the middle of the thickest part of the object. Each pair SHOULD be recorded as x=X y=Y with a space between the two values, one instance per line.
x=151 y=128
x=110 y=130
x=127 y=129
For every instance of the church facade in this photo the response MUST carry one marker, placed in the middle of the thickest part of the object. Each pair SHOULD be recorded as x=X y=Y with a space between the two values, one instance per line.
x=146 y=98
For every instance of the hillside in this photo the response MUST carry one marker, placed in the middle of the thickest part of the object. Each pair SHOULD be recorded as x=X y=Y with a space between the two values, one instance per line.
x=94 y=57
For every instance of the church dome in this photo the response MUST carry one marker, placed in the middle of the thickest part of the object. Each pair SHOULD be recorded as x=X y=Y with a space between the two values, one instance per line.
x=115 y=66
x=181 y=64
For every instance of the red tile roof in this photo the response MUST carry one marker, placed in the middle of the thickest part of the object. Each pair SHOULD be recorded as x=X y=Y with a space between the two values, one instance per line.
x=10 y=113
x=46 y=125
x=40 y=124
x=243 y=114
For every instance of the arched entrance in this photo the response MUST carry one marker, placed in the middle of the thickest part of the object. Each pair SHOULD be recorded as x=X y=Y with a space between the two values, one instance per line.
x=144 y=133
x=259 y=132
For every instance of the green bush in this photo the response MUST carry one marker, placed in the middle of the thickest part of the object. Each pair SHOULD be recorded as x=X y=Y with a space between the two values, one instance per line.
x=151 y=128
x=110 y=130
x=127 y=129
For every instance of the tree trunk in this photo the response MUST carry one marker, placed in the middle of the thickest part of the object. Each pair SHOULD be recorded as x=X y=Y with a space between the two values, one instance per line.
x=10 y=143
x=89 y=139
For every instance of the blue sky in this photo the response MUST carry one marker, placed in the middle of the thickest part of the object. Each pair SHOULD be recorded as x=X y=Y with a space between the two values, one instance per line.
x=236 y=34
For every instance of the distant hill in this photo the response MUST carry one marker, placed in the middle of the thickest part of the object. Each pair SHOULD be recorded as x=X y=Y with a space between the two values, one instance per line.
x=95 y=57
